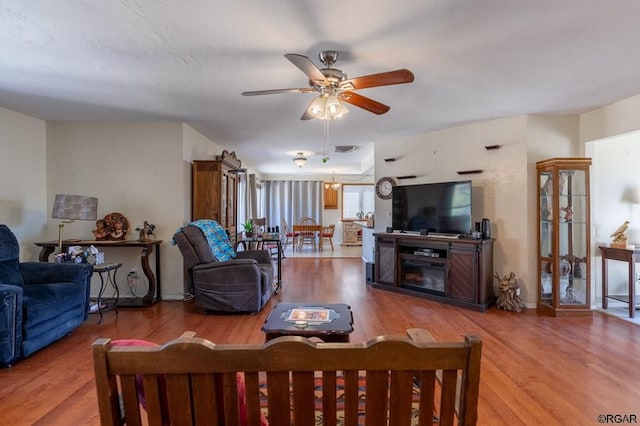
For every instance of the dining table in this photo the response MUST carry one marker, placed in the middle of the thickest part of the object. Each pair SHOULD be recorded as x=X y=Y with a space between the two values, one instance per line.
x=300 y=232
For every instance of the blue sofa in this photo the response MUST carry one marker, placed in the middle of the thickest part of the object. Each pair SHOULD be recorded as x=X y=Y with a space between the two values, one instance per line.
x=39 y=302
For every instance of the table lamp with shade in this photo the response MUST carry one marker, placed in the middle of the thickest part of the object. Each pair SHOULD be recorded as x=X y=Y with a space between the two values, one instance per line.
x=73 y=207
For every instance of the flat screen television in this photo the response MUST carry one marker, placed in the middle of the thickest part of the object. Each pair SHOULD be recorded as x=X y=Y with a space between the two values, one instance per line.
x=443 y=207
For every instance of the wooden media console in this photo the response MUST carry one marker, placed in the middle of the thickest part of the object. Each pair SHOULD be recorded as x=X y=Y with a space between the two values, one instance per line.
x=458 y=271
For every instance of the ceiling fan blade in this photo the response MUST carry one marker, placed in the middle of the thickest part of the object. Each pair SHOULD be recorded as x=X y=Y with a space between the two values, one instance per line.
x=275 y=91
x=363 y=102
x=306 y=115
x=306 y=66
x=382 y=79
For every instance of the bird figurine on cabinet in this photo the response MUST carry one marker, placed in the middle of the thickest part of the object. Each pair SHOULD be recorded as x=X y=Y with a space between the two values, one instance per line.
x=619 y=239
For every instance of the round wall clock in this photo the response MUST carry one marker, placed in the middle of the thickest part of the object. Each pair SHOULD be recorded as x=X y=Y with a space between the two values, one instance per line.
x=384 y=187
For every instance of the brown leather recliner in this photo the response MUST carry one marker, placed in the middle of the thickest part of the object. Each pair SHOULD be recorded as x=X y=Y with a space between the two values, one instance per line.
x=243 y=284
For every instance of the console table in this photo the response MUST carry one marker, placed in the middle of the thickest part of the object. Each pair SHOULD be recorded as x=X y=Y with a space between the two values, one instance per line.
x=153 y=294
x=629 y=255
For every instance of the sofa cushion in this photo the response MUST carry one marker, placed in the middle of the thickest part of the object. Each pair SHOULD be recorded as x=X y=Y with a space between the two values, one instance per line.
x=9 y=258
x=10 y=273
x=51 y=305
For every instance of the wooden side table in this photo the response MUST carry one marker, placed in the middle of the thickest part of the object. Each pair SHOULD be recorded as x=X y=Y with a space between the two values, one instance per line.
x=629 y=255
x=107 y=274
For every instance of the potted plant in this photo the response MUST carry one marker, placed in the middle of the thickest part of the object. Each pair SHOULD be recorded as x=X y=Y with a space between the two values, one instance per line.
x=248 y=228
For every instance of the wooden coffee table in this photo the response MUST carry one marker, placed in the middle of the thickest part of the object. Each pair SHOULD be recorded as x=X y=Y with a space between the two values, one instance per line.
x=330 y=322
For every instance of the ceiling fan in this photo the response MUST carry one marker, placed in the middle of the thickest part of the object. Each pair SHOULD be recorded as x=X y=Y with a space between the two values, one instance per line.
x=333 y=86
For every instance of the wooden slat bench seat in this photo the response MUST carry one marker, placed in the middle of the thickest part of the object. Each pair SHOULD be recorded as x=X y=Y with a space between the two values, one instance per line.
x=192 y=381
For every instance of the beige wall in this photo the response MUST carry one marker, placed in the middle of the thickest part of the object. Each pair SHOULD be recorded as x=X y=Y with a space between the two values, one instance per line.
x=133 y=168
x=23 y=177
x=615 y=119
x=498 y=192
x=195 y=146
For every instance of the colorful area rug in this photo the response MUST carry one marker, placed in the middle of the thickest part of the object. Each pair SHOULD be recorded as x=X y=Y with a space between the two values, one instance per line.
x=340 y=400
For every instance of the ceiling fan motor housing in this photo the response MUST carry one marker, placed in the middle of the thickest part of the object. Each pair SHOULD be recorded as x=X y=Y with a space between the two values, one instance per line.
x=328 y=57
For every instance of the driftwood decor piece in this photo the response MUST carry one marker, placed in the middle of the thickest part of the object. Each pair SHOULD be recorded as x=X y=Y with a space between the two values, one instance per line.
x=508 y=293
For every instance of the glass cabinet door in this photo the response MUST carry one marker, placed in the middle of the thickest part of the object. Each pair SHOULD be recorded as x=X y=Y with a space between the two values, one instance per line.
x=564 y=236
x=573 y=237
x=545 y=181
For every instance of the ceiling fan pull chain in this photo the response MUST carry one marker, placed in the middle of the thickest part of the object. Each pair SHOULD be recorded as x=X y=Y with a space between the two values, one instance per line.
x=325 y=157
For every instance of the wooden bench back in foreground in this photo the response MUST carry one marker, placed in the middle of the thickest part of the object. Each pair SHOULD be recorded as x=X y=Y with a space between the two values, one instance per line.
x=196 y=382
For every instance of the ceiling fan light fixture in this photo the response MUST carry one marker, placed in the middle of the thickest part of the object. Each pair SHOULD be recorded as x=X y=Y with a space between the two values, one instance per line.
x=317 y=107
x=300 y=159
x=327 y=107
x=332 y=105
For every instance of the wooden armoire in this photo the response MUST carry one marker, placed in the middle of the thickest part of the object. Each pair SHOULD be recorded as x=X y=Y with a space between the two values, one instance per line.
x=214 y=191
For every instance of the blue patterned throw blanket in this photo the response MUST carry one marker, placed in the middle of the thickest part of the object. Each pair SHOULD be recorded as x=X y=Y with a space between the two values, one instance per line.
x=217 y=238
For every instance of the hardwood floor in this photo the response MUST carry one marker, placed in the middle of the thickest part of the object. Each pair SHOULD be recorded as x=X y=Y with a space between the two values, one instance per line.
x=535 y=369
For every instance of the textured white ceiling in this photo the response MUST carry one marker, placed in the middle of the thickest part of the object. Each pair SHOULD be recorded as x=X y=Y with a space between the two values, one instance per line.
x=189 y=60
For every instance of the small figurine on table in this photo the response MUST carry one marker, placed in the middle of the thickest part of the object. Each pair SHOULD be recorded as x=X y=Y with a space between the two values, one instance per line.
x=118 y=232
x=568 y=213
x=618 y=236
x=101 y=232
x=146 y=232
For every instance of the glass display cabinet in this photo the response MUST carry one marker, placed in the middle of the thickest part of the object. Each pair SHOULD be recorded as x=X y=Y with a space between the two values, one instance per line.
x=563 y=237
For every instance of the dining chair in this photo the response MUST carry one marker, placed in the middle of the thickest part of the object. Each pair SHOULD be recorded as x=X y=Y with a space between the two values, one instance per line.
x=327 y=234
x=288 y=235
x=306 y=220
x=259 y=228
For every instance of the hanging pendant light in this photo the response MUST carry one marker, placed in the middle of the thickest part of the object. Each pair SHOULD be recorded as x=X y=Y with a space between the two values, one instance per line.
x=300 y=159
x=334 y=184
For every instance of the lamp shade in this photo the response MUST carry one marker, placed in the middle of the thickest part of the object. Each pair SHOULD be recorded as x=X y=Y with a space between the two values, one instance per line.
x=74 y=207
x=631 y=195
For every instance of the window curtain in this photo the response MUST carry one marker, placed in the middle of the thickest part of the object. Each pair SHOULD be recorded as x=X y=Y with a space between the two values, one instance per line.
x=291 y=200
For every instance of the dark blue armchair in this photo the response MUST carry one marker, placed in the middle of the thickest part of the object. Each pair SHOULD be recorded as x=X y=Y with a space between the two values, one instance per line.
x=39 y=302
